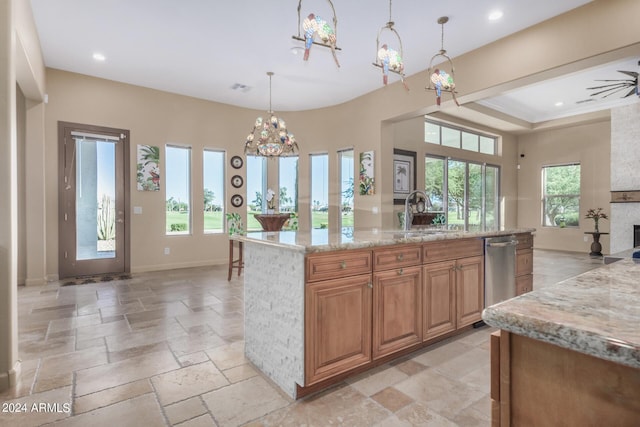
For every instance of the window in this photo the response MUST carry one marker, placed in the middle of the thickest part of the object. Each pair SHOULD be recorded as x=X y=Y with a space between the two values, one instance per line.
x=256 y=188
x=561 y=195
x=345 y=159
x=319 y=190
x=466 y=194
x=451 y=136
x=213 y=188
x=178 y=193
x=288 y=194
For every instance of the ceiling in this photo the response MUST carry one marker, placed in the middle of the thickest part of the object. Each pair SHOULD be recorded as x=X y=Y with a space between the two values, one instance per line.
x=222 y=50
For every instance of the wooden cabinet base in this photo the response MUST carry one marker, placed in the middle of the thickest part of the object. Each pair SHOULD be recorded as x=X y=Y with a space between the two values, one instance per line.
x=324 y=384
x=541 y=384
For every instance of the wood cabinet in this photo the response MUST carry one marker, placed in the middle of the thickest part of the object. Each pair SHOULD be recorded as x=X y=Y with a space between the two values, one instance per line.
x=362 y=306
x=469 y=290
x=397 y=309
x=524 y=263
x=439 y=299
x=453 y=290
x=534 y=383
x=453 y=295
x=337 y=326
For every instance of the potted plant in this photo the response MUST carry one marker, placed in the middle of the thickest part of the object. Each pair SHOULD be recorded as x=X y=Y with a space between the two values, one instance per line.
x=596 y=215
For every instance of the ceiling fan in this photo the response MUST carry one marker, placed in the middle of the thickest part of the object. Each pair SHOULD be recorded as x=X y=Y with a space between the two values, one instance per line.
x=617 y=85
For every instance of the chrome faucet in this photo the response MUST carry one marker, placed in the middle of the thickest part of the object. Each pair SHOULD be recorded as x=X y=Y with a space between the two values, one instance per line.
x=408 y=214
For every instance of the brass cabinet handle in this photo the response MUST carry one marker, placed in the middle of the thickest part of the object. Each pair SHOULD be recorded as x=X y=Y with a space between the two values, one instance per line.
x=400 y=257
x=370 y=285
x=343 y=264
x=400 y=272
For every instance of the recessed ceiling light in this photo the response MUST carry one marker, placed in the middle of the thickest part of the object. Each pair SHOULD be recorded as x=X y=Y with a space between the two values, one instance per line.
x=99 y=57
x=495 y=15
x=559 y=104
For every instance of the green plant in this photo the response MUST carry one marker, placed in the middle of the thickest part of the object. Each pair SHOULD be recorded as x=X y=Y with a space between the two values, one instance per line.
x=596 y=215
x=179 y=227
x=106 y=220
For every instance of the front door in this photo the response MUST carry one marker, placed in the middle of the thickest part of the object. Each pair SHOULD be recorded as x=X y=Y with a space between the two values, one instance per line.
x=92 y=200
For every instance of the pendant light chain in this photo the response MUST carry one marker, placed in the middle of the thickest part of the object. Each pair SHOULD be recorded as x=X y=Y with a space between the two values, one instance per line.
x=390 y=11
x=270 y=73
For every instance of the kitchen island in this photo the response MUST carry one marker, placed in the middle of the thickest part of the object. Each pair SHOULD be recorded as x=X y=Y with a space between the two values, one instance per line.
x=322 y=306
x=569 y=354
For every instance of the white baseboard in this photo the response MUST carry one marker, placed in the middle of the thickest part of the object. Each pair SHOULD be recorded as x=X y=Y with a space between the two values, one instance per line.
x=35 y=282
x=10 y=378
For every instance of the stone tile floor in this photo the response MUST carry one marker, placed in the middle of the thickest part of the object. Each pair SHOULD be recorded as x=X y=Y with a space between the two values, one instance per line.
x=166 y=348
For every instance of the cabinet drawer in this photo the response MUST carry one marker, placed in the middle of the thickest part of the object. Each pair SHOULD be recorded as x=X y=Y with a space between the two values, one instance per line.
x=334 y=265
x=524 y=262
x=525 y=241
x=524 y=284
x=451 y=249
x=402 y=256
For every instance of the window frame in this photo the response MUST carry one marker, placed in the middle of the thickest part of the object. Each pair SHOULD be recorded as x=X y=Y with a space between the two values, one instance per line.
x=222 y=167
x=545 y=196
x=189 y=231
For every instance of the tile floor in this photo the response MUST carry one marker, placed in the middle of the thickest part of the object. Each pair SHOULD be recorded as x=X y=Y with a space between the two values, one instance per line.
x=166 y=348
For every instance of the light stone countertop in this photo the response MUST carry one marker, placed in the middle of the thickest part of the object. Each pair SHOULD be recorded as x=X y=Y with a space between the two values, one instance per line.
x=596 y=313
x=320 y=240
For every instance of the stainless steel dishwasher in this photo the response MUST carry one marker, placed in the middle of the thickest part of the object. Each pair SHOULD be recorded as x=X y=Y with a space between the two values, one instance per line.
x=499 y=269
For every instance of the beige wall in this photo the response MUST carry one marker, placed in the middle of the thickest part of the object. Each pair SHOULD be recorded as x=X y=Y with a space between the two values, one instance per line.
x=588 y=145
x=371 y=122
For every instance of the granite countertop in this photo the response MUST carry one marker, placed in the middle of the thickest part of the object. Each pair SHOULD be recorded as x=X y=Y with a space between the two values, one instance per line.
x=595 y=313
x=320 y=240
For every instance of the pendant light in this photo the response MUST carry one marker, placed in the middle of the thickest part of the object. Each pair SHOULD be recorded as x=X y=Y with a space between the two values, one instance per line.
x=314 y=26
x=439 y=80
x=269 y=136
x=387 y=58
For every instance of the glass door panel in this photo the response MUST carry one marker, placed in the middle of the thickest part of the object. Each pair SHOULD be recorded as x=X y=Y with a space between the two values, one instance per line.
x=456 y=190
x=95 y=199
x=491 y=198
x=475 y=198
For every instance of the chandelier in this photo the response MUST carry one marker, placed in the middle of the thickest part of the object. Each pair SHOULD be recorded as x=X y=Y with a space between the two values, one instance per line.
x=315 y=26
x=269 y=136
x=439 y=79
x=388 y=59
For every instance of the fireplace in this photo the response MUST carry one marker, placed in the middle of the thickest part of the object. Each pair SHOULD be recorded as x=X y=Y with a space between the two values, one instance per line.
x=636 y=236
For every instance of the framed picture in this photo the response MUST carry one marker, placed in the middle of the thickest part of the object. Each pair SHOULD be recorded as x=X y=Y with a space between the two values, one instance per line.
x=148 y=168
x=404 y=174
x=367 y=174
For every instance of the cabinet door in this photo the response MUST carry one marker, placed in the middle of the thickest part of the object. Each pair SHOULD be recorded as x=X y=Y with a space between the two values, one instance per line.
x=469 y=290
x=524 y=284
x=337 y=326
x=524 y=262
x=397 y=310
x=438 y=299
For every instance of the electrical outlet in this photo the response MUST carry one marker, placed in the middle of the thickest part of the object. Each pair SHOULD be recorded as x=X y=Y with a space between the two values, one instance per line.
x=167 y=251
x=586 y=238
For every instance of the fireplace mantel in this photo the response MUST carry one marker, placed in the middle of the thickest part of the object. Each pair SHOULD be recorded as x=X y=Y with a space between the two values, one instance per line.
x=625 y=196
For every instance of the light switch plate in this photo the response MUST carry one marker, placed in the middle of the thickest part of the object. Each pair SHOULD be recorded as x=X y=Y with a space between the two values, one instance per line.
x=137 y=210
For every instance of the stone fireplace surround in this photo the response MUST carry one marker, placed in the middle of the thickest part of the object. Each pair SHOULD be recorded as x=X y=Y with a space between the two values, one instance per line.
x=625 y=174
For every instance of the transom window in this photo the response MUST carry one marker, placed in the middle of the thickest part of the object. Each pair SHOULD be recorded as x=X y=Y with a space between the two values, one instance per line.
x=454 y=137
